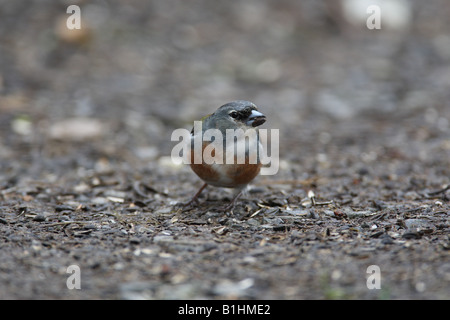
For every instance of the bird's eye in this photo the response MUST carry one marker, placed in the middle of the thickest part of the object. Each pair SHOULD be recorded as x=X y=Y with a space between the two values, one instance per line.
x=233 y=114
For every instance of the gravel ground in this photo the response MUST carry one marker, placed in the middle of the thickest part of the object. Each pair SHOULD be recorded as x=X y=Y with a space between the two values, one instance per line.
x=86 y=177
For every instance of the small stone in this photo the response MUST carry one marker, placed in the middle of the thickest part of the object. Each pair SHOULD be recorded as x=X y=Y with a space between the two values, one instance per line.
x=135 y=240
x=39 y=218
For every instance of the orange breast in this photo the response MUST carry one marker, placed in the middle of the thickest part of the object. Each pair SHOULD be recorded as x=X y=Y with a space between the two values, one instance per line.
x=225 y=175
x=205 y=171
x=242 y=174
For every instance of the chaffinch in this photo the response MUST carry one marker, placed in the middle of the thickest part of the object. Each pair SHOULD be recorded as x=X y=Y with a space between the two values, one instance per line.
x=215 y=167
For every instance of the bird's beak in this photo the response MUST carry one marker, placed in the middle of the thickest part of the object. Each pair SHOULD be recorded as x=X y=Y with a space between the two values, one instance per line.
x=255 y=119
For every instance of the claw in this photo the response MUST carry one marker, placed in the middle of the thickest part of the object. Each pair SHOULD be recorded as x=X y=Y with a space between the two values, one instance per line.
x=231 y=205
x=188 y=205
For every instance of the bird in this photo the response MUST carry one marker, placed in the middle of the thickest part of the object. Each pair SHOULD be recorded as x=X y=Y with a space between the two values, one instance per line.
x=238 y=172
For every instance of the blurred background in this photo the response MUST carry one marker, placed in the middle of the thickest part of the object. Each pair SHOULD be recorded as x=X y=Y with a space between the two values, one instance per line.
x=110 y=94
x=86 y=118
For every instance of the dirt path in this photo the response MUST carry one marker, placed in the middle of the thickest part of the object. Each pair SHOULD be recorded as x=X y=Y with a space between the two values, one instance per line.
x=358 y=210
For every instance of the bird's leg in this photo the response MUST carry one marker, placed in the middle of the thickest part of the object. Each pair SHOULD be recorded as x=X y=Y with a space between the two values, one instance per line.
x=232 y=203
x=195 y=197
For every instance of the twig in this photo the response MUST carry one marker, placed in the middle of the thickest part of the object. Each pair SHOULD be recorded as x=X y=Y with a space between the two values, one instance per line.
x=435 y=193
x=63 y=223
